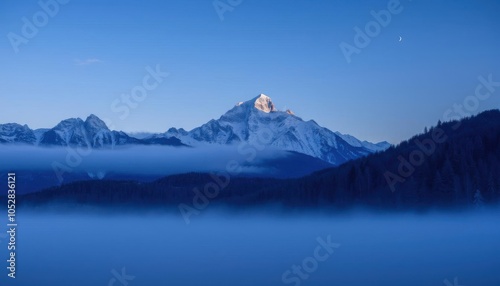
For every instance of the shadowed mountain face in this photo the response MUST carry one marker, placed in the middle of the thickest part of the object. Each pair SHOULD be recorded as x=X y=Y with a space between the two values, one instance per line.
x=456 y=164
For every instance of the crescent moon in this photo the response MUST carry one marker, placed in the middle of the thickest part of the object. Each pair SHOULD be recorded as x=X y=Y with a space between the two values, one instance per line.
x=400 y=38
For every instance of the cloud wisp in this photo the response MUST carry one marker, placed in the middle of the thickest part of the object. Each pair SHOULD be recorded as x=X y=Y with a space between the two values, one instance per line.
x=86 y=62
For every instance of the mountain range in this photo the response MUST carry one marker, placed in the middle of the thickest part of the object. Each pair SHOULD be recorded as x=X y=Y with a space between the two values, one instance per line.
x=255 y=122
x=457 y=169
x=91 y=133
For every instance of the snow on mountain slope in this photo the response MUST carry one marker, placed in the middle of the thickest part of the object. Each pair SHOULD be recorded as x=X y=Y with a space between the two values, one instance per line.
x=259 y=123
x=91 y=133
x=374 y=147
x=39 y=134
x=264 y=103
x=75 y=132
x=16 y=133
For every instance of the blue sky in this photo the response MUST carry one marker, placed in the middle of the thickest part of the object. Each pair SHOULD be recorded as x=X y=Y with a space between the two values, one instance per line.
x=91 y=52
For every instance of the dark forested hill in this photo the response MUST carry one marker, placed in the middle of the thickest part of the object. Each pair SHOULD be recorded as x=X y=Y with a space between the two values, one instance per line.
x=455 y=164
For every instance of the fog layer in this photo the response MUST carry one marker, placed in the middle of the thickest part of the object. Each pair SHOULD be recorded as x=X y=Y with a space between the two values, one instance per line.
x=253 y=250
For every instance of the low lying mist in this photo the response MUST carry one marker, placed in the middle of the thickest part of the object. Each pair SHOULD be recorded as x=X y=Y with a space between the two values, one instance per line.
x=136 y=159
x=258 y=249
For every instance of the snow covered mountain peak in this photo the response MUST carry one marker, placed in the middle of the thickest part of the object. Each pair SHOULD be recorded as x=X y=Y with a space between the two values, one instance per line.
x=247 y=121
x=94 y=122
x=14 y=133
x=264 y=103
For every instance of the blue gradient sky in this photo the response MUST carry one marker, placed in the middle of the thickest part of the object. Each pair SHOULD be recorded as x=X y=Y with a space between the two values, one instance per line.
x=288 y=50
